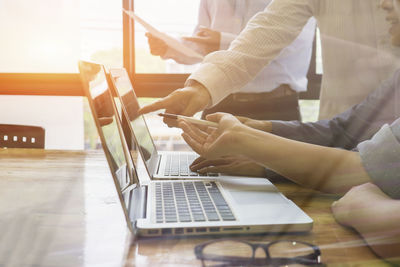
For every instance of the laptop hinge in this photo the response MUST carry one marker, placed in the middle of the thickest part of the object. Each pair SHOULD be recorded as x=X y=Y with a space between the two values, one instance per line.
x=158 y=163
x=139 y=202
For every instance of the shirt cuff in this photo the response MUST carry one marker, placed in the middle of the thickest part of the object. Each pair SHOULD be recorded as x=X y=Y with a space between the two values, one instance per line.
x=226 y=40
x=210 y=76
x=381 y=159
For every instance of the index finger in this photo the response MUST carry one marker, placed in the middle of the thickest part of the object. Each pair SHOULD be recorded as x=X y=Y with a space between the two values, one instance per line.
x=203 y=31
x=159 y=104
x=195 y=39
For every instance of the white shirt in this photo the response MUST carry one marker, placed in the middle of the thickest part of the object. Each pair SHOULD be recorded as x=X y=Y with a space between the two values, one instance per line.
x=230 y=17
x=355 y=49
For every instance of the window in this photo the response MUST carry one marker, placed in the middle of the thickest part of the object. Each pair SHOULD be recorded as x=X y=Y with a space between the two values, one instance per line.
x=45 y=39
x=167 y=18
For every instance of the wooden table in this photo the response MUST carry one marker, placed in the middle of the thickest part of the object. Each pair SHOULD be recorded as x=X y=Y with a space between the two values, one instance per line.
x=60 y=208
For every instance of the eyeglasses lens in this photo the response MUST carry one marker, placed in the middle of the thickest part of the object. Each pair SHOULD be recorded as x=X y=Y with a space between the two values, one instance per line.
x=228 y=251
x=289 y=249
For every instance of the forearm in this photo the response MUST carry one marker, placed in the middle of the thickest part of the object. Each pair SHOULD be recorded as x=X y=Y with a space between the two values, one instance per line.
x=321 y=168
x=256 y=46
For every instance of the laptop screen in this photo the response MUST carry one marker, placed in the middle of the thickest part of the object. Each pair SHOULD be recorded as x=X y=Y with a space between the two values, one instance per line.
x=138 y=125
x=99 y=96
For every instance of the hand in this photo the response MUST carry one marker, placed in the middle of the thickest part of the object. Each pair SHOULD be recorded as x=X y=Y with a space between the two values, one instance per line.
x=157 y=46
x=265 y=126
x=208 y=39
x=214 y=143
x=350 y=209
x=186 y=101
x=232 y=165
x=374 y=215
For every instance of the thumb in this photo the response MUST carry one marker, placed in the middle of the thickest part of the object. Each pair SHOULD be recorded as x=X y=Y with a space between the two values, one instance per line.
x=215 y=117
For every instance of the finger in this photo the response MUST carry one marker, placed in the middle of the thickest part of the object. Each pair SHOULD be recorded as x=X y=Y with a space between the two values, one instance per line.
x=179 y=104
x=209 y=163
x=201 y=127
x=196 y=39
x=210 y=148
x=160 y=104
x=198 y=130
x=203 y=31
x=211 y=130
x=198 y=160
x=198 y=148
x=215 y=117
x=214 y=169
x=152 y=37
x=155 y=42
x=171 y=123
x=157 y=51
x=191 y=131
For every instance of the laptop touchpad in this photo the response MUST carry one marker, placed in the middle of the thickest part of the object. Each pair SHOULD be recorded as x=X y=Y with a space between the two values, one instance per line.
x=252 y=197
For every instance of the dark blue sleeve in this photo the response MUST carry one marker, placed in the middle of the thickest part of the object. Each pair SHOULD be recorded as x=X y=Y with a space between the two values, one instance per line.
x=351 y=127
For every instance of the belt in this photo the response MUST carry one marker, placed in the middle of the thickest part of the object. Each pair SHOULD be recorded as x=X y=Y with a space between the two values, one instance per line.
x=281 y=91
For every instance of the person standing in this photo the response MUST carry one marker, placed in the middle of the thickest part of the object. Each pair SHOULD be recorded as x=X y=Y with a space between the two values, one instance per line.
x=273 y=93
x=356 y=55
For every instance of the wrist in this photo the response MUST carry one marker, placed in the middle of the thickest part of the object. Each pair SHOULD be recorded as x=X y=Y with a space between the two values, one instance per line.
x=242 y=140
x=201 y=91
x=267 y=126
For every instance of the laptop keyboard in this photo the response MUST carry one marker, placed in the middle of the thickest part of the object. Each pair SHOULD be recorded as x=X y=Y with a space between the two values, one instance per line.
x=190 y=201
x=179 y=165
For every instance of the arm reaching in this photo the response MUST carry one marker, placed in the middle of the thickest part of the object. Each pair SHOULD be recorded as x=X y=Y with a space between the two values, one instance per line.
x=186 y=101
x=322 y=168
x=235 y=165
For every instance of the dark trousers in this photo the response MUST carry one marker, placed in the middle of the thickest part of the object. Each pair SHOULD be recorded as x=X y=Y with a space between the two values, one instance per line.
x=280 y=104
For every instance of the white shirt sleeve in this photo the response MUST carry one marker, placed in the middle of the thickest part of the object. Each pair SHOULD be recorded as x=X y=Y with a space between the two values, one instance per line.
x=265 y=36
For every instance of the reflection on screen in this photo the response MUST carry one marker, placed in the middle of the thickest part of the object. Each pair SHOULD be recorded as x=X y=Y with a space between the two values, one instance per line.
x=139 y=127
x=103 y=107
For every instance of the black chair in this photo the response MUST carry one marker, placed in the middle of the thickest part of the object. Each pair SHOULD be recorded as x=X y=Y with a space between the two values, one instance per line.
x=21 y=136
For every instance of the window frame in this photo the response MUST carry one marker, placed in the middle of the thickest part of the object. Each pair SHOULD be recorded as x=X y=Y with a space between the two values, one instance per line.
x=49 y=84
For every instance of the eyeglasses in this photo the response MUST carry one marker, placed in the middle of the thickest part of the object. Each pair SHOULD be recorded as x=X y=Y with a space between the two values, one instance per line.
x=227 y=252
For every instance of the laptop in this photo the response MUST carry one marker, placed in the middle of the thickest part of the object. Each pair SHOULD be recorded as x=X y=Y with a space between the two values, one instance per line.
x=159 y=164
x=184 y=207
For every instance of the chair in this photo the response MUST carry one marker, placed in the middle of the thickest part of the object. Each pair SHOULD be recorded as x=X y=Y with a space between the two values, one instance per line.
x=21 y=136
